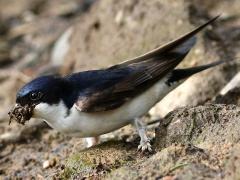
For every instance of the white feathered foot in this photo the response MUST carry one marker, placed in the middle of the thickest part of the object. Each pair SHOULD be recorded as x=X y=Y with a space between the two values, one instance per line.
x=144 y=142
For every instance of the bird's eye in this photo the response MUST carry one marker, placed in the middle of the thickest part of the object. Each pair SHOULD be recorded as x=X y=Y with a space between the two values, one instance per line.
x=35 y=96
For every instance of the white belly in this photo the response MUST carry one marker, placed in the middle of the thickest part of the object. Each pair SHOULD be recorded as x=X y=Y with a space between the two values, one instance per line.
x=93 y=124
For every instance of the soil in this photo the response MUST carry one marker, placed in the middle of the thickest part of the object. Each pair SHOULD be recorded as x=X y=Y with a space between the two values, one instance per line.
x=198 y=138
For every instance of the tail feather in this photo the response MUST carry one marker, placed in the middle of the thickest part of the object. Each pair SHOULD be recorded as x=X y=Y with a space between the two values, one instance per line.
x=180 y=74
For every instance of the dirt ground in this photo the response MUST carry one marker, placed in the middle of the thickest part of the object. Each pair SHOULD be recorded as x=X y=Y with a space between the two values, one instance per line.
x=199 y=134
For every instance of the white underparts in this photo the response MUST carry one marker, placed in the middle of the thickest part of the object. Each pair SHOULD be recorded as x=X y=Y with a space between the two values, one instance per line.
x=94 y=124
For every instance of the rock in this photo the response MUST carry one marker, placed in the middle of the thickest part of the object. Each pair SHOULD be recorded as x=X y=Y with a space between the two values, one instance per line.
x=98 y=160
x=171 y=161
x=234 y=83
x=209 y=124
x=231 y=97
x=200 y=143
x=232 y=163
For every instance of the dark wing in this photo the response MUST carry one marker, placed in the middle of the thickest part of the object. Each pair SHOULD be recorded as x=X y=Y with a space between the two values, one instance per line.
x=143 y=72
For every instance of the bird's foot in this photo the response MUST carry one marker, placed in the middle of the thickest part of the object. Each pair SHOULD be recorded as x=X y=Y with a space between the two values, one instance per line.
x=145 y=146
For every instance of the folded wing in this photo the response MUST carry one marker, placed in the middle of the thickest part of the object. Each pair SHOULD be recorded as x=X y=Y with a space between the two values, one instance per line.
x=143 y=72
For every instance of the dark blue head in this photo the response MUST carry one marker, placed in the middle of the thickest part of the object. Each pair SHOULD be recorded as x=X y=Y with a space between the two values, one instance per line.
x=47 y=89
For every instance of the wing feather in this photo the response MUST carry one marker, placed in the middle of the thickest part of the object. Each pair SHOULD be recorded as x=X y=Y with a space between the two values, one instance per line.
x=145 y=71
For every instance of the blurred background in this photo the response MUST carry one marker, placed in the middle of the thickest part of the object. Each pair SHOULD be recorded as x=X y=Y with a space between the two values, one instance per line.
x=63 y=36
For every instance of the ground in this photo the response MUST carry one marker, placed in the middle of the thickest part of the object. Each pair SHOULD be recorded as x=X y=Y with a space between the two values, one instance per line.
x=198 y=135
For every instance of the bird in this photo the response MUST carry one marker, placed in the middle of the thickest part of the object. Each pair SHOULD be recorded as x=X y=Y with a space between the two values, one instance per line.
x=90 y=103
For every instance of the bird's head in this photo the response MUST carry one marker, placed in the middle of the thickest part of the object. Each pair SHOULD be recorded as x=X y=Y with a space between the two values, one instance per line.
x=47 y=90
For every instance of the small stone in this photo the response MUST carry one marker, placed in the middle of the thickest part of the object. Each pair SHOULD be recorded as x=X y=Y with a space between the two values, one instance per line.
x=46 y=164
x=119 y=17
x=49 y=163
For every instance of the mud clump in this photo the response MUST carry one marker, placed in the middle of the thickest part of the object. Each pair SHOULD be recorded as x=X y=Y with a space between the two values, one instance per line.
x=21 y=114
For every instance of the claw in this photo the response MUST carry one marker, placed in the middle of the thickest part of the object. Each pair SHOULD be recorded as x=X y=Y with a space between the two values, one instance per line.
x=145 y=146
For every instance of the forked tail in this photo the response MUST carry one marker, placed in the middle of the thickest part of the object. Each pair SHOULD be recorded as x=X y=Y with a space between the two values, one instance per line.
x=181 y=74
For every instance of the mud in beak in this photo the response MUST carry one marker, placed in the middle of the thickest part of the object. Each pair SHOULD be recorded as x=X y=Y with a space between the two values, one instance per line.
x=21 y=114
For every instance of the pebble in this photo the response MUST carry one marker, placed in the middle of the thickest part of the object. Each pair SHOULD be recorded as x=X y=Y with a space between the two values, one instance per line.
x=49 y=163
x=46 y=164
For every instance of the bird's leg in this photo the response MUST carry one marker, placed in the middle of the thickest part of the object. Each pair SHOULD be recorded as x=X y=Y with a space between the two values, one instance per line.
x=91 y=141
x=144 y=142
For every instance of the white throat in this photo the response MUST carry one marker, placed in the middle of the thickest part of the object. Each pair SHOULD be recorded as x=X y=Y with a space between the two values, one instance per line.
x=52 y=114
